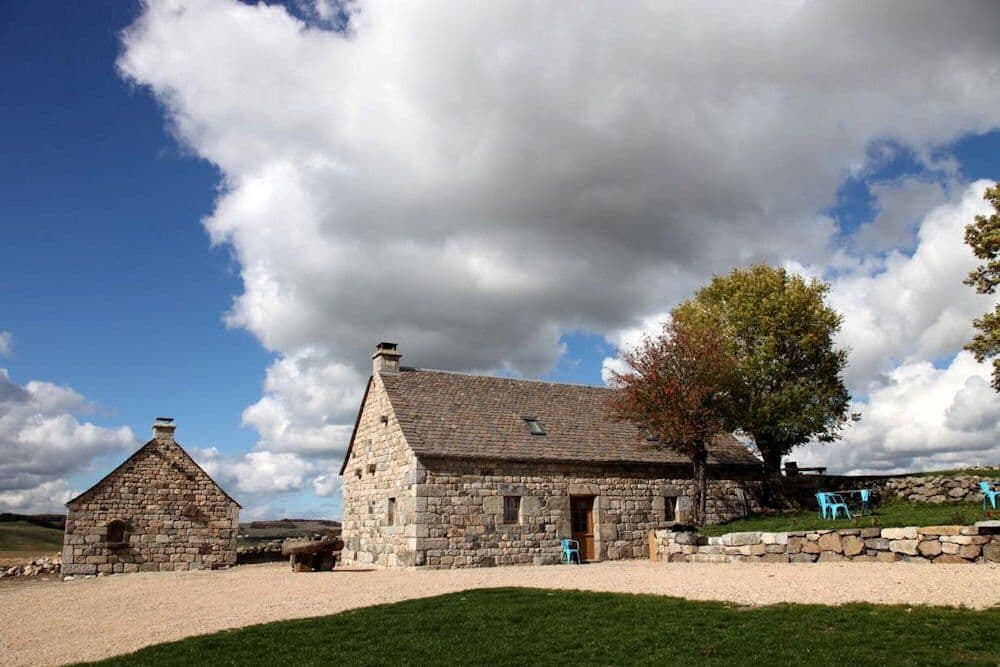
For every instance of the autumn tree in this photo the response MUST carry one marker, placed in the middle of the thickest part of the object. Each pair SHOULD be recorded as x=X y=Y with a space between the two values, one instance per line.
x=983 y=236
x=787 y=383
x=675 y=390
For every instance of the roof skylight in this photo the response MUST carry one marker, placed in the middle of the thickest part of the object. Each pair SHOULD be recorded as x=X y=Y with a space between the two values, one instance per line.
x=533 y=426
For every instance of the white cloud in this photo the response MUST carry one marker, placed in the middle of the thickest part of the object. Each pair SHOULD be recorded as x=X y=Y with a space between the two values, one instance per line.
x=923 y=418
x=46 y=497
x=473 y=180
x=42 y=440
x=327 y=485
x=258 y=473
x=6 y=343
x=308 y=402
x=909 y=308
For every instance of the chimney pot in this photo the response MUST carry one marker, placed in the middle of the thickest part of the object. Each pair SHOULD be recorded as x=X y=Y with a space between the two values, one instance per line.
x=163 y=428
x=386 y=358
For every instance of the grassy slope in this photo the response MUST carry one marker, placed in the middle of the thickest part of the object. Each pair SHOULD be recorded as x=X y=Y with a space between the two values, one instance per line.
x=21 y=541
x=893 y=514
x=23 y=536
x=522 y=626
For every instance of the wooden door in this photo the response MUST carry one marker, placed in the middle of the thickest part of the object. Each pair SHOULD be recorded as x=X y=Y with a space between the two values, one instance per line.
x=581 y=509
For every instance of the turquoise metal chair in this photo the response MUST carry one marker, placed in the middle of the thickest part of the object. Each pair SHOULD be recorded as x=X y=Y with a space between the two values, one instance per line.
x=570 y=548
x=989 y=494
x=823 y=504
x=866 y=505
x=835 y=502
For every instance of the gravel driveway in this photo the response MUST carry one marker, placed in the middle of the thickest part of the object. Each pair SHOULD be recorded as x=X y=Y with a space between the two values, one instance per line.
x=55 y=622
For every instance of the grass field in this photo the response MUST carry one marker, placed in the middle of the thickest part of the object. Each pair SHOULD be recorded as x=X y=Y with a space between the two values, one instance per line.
x=893 y=514
x=21 y=541
x=523 y=626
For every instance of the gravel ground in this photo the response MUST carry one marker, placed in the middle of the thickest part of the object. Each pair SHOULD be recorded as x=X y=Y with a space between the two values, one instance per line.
x=50 y=623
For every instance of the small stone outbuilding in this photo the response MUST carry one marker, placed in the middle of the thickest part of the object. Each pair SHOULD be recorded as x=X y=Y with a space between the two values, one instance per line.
x=156 y=511
x=452 y=470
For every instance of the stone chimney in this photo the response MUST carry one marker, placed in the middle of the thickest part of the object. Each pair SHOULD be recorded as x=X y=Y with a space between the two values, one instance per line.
x=163 y=428
x=386 y=358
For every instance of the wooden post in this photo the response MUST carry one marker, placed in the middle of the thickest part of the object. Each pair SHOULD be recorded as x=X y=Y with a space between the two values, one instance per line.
x=654 y=554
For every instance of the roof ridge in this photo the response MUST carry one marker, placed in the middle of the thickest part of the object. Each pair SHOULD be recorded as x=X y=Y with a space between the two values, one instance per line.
x=412 y=369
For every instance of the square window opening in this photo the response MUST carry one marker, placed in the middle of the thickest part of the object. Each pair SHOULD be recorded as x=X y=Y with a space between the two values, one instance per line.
x=512 y=509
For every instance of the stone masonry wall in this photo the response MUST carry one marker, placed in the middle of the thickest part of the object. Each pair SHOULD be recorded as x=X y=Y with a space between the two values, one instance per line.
x=938 y=544
x=382 y=466
x=940 y=488
x=175 y=518
x=459 y=508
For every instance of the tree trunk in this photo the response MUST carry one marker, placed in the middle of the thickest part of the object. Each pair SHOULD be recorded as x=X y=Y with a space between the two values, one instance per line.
x=772 y=459
x=701 y=489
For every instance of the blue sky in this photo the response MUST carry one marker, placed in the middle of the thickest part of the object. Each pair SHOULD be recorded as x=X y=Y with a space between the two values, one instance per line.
x=113 y=185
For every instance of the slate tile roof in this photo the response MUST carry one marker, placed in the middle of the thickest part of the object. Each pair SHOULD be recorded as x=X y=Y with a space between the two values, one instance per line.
x=475 y=416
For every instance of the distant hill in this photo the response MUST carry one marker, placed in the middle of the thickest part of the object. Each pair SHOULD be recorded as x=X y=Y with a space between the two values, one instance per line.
x=22 y=541
x=57 y=521
x=263 y=531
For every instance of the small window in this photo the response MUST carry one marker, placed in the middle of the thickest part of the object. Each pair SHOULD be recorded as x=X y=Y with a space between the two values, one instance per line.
x=512 y=509
x=116 y=532
x=391 y=512
x=533 y=426
x=670 y=508
x=371 y=468
x=357 y=473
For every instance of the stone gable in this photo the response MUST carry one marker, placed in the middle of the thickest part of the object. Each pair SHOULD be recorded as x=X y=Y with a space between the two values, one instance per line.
x=157 y=511
x=380 y=466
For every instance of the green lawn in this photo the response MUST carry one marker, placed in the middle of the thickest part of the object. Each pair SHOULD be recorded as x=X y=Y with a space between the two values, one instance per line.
x=20 y=541
x=892 y=514
x=533 y=627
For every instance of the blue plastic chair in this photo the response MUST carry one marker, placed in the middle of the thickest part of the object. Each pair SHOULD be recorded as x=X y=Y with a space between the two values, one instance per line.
x=570 y=548
x=835 y=502
x=866 y=496
x=823 y=504
x=989 y=494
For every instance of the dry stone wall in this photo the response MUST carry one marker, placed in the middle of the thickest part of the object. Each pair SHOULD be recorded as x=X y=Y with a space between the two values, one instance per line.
x=940 y=488
x=938 y=544
x=459 y=508
x=381 y=467
x=173 y=516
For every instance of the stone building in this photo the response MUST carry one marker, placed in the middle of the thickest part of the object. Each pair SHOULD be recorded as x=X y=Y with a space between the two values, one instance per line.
x=156 y=511
x=449 y=470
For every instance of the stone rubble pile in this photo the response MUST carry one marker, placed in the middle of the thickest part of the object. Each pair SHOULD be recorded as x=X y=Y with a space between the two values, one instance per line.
x=940 y=489
x=939 y=544
x=44 y=565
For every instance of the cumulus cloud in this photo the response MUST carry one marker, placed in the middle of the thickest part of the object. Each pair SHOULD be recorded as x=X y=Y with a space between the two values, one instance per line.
x=42 y=440
x=922 y=418
x=50 y=496
x=307 y=404
x=6 y=343
x=257 y=473
x=474 y=180
x=910 y=307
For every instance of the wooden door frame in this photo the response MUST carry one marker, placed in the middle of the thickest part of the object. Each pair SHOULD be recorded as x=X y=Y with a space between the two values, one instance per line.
x=594 y=526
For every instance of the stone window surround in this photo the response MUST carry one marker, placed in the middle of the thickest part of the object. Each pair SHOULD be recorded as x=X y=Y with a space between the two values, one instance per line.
x=116 y=533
